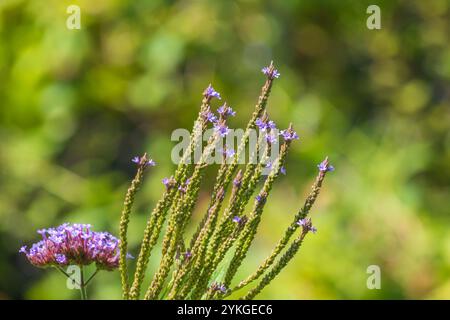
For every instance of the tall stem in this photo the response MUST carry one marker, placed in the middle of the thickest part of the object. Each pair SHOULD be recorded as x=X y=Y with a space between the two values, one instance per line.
x=82 y=284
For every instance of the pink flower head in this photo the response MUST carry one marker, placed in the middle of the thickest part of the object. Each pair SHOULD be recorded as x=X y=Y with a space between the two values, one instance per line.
x=77 y=244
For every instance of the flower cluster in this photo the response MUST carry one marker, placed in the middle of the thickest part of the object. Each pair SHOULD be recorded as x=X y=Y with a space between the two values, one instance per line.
x=70 y=244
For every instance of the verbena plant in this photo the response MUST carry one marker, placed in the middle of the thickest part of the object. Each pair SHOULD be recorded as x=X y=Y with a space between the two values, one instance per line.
x=202 y=266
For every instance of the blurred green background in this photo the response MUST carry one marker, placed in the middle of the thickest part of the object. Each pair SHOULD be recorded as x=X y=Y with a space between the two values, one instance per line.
x=76 y=105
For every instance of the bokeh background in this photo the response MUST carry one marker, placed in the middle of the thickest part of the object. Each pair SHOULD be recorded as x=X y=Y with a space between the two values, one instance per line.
x=76 y=105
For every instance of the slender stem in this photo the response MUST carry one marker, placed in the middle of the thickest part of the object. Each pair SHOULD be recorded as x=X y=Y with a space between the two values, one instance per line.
x=91 y=277
x=82 y=284
x=60 y=269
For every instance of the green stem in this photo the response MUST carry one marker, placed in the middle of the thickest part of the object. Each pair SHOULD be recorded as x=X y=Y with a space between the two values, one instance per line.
x=91 y=277
x=63 y=272
x=82 y=285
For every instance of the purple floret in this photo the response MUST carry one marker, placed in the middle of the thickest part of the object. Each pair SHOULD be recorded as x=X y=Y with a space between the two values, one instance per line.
x=237 y=219
x=226 y=111
x=136 y=160
x=260 y=124
x=324 y=166
x=270 y=72
x=307 y=225
x=221 y=128
x=289 y=135
x=148 y=163
x=271 y=138
x=211 y=93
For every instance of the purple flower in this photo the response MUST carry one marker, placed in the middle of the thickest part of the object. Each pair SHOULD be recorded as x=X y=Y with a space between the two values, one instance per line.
x=211 y=117
x=324 y=166
x=307 y=225
x=283 y=170
x=265 y=125
x=219 y=287
x=222 y=288
x=187 y=254
x=270 y=72
x=211 y=93
x=221 y=129
x=271 y=138
x=261 y=198
x=136 y=160
x=228 y=153
x=169 y=183
x=149 y=163
x=289 y=135
x=60 y=258
x=237 y=219
x=183 y=187
x=74 y=244
x=226 y=111
x=260 y=124
x=222 y=109
x=271 y=124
